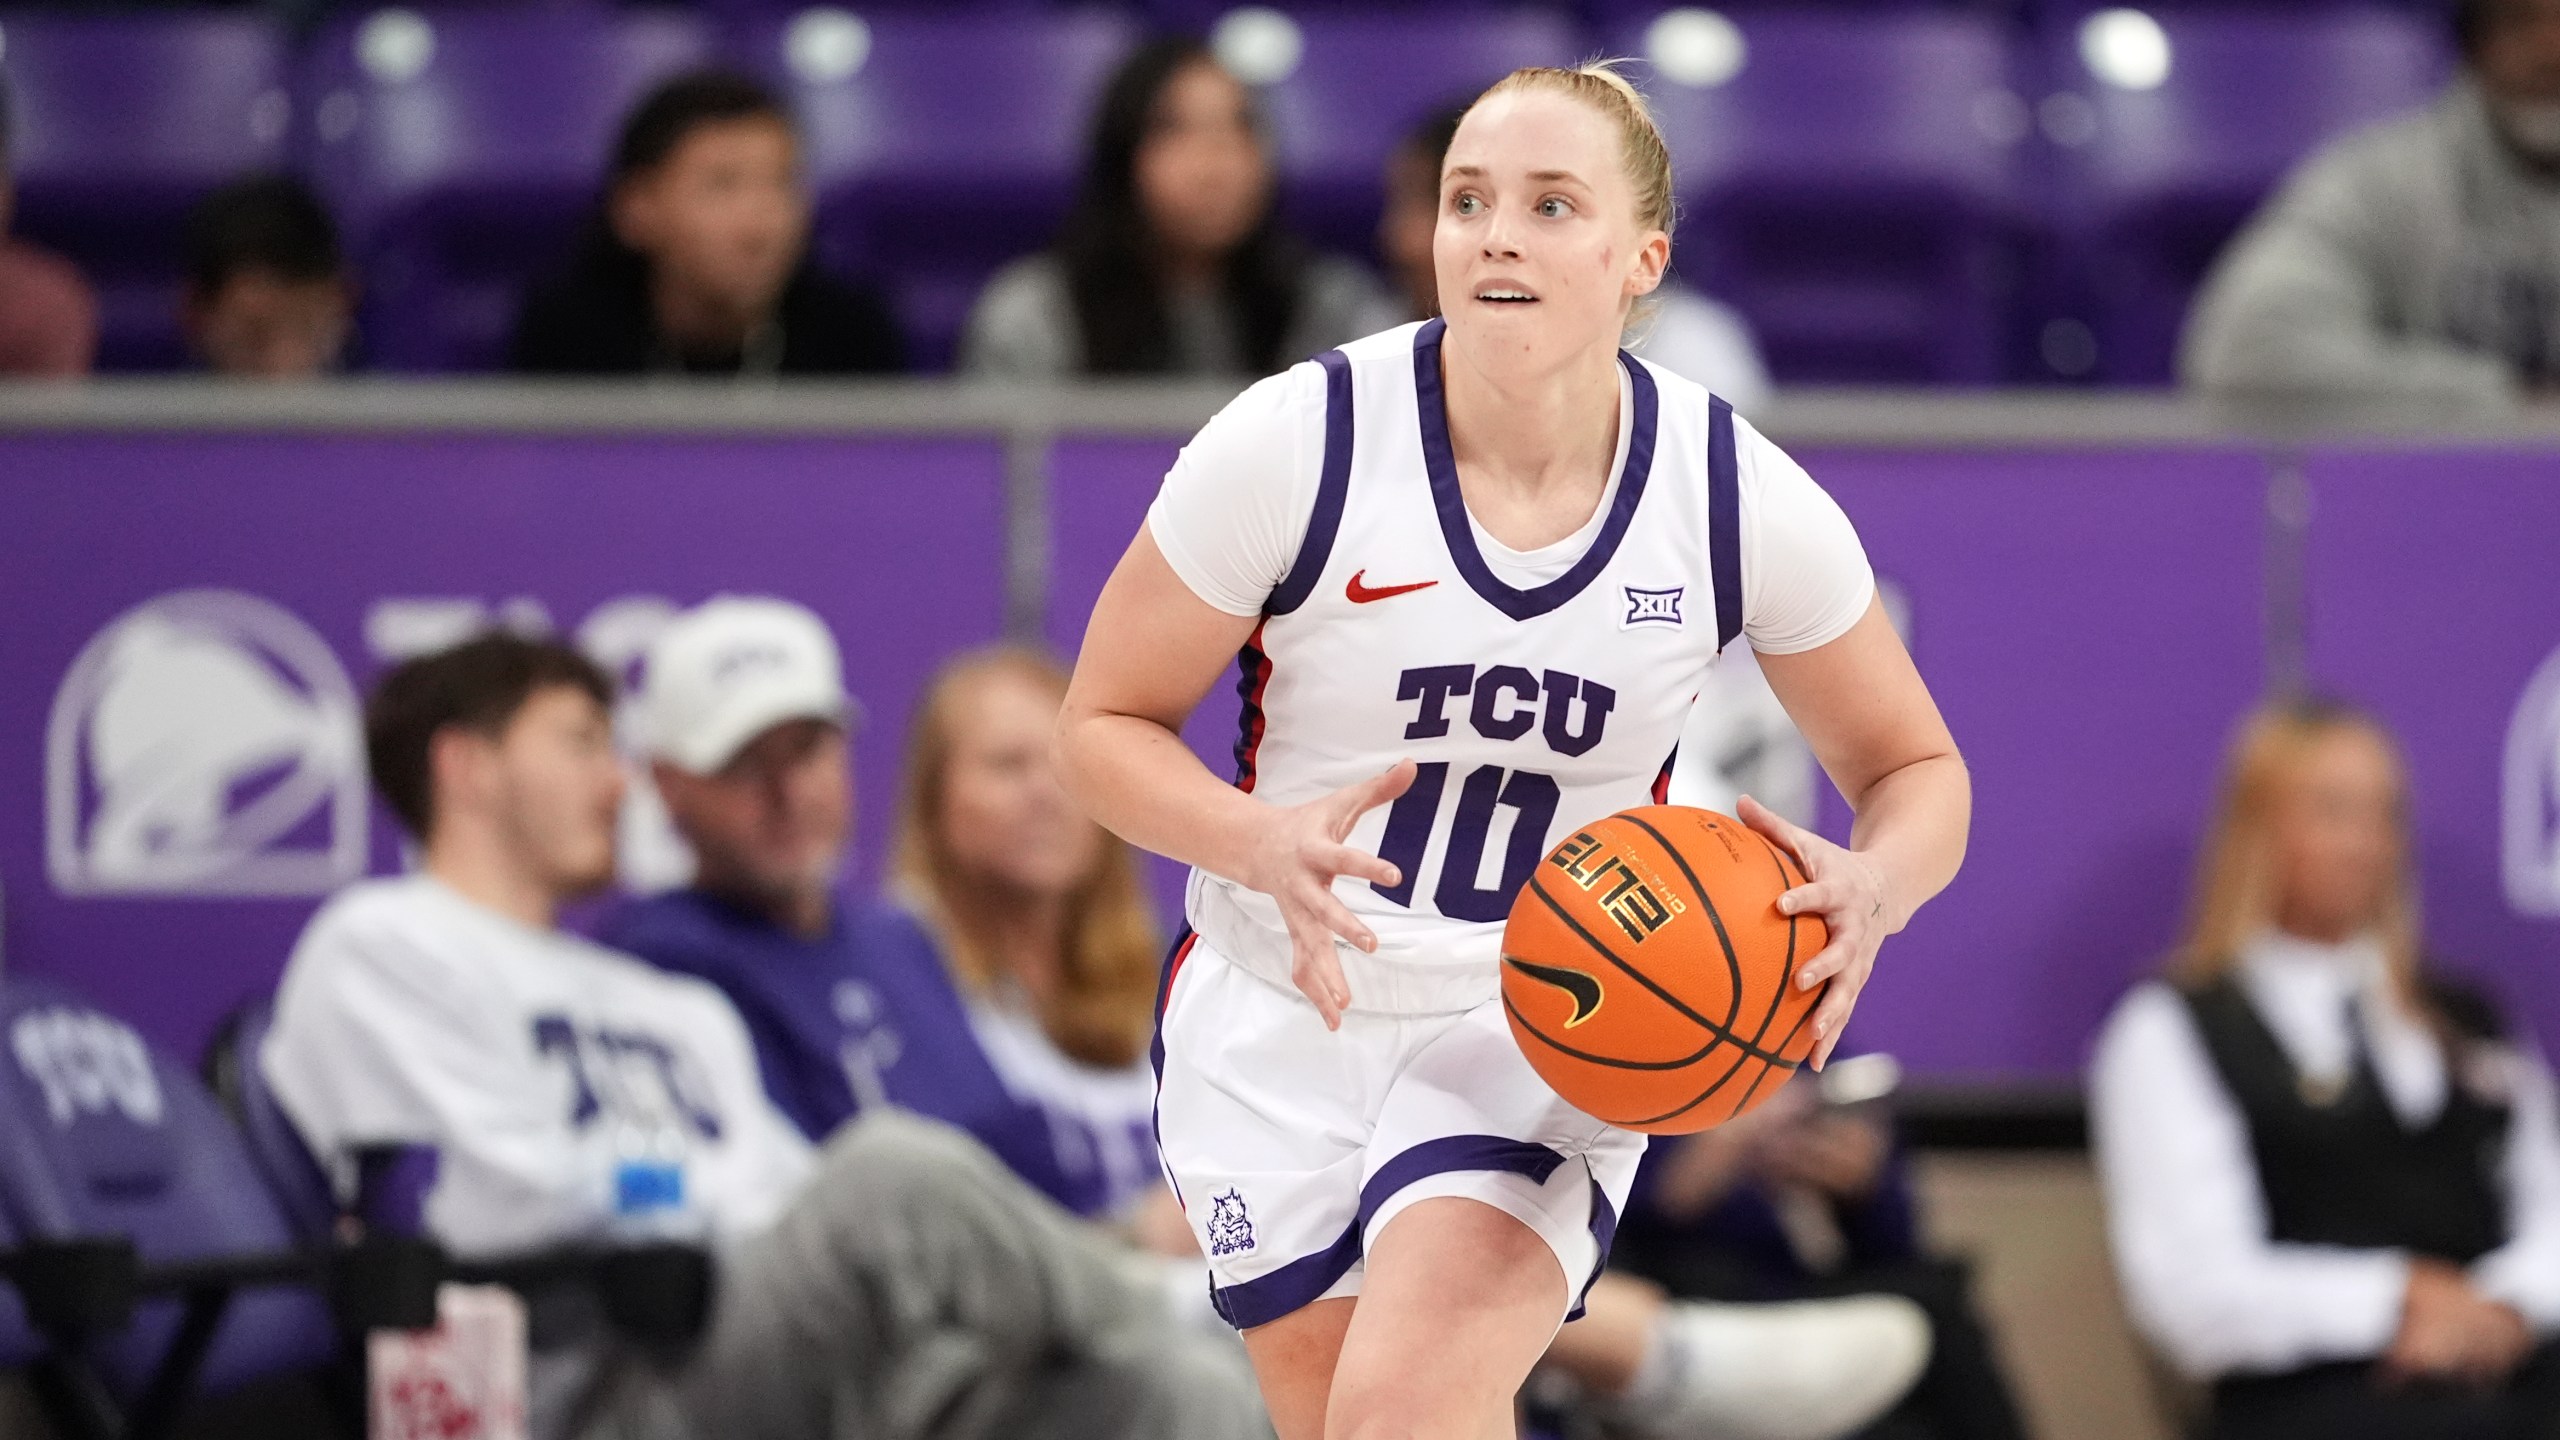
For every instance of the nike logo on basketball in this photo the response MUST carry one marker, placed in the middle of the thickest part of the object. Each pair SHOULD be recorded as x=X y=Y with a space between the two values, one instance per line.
x=1361 y=594
x=1584 y=989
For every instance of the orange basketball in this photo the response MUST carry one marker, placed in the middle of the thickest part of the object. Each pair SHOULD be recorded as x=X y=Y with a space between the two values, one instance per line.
x=1649 y=976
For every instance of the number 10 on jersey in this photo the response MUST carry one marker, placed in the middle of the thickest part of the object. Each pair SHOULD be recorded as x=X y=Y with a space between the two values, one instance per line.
x=1415 y=816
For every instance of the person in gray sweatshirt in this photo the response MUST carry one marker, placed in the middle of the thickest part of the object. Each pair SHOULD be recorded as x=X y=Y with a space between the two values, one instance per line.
x=2414 y=265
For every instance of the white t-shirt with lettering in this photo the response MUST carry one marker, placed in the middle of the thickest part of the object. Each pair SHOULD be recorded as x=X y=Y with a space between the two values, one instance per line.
x=537 y=1065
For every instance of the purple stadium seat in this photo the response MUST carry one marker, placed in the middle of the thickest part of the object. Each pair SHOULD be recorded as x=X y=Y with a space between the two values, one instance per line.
x=119 y=124
x=2152 y=182
x=1363 y=79
x=99 y=1136
x=940 y=145
x=275 y=1146
x=1850 y=182
x=463 y=148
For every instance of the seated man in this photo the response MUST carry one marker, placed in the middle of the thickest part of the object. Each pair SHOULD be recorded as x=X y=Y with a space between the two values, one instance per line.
x=2412 y=261
x=48 y=314
x=268 y=295
x=894 y=1281
x=745 y=714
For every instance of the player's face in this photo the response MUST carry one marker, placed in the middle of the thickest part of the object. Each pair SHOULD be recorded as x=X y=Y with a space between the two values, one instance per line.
x=724 y=216
x=1006 y=819
x=1203 y=180
x=773 y=821
x=2337 y=836
x=556 y=783
x=263 y=324
x=1538 y=249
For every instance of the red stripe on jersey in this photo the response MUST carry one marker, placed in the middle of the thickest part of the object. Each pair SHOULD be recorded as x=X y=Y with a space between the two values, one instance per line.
x=1662 y=782
x=1172 y=971
x=1253 y=675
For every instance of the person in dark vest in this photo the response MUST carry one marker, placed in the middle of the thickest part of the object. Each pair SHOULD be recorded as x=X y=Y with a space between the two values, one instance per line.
x=2332 y=1175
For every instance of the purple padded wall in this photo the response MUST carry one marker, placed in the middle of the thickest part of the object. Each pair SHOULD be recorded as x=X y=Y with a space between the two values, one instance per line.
x=462 y=169
x=1854 y=191
x=260 y=580
x=119 y=124
x=2149 y=185
x=952 y=147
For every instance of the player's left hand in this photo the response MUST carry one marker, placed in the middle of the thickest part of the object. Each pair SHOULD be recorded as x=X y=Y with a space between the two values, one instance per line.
x=1848 y=892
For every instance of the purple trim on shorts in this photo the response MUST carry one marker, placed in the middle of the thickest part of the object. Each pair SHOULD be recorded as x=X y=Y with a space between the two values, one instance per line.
x=1604 y=1233
x=1173 y=958
x=1302 y=1281
x=1451 y=1154
x=1290 y=1288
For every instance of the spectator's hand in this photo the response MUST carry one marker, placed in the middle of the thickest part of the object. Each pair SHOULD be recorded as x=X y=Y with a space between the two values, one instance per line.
x=1702 y=1169
x=1848 y=893
x=1838 y=1153
x=2449 y=1331
x=1296 y=859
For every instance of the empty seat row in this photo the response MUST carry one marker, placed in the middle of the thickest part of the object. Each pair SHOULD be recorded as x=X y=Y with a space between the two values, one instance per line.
x=1890 y=194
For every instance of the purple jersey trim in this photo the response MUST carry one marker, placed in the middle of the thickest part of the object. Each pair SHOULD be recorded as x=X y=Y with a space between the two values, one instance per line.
x=1442 y=465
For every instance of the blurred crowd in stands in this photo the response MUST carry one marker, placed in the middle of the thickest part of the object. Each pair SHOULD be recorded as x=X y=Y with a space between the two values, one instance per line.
x=2412 y=259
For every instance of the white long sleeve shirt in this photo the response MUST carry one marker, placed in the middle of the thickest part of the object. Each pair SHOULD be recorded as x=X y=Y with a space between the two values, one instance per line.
x=2186 y=1215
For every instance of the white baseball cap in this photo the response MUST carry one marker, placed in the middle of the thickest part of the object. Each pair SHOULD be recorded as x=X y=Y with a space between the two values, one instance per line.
x=730 y=669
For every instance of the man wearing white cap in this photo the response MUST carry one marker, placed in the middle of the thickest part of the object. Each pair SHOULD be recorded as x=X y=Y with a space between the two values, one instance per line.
x=746 y=720
x=894 y=1281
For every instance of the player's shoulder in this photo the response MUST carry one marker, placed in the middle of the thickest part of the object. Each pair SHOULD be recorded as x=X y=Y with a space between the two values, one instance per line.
x=1391 y=346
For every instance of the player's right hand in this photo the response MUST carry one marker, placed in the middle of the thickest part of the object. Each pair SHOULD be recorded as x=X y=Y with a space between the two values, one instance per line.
x=1296 y=859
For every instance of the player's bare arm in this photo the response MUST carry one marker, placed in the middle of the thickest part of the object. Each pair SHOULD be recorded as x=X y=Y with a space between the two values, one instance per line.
x=1151 y=652
x=1869 y=718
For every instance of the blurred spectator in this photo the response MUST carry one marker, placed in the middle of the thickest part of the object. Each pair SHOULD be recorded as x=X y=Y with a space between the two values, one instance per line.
x=2419 y=260
x=1676 y=328
x=1172 y=261
x=1808 y=1195
x=850 y=1006
x=699 y=260
x=48 y=317
x=2333 y=1180
x=896 y=1282
x=267 y=292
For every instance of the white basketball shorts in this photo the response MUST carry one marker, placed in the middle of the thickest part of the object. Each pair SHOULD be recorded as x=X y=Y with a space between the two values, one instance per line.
x=1291 y=1146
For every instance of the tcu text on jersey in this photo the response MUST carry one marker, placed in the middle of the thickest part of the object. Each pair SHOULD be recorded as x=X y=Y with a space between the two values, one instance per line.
x=626 y=1077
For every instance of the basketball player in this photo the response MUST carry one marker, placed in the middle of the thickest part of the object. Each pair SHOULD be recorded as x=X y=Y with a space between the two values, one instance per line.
x=1474 y=570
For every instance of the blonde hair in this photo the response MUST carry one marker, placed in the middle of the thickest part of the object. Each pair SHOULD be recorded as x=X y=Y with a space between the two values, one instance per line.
x=1641 y=150
x=1103 y=1008
x=2236 y=879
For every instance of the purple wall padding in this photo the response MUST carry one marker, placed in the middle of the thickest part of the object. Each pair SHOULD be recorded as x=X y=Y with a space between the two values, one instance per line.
x=897 y=543
x=2434 y=597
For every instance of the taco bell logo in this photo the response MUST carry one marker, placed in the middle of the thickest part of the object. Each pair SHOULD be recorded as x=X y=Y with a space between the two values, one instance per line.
x=204 y=743
x=2531 y=828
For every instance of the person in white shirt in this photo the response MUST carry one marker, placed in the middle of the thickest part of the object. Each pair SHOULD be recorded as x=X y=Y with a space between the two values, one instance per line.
x=894 y=1282
x=2332 y=1179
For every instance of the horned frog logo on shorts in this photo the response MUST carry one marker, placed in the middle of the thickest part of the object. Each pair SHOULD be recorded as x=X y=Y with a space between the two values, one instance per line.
x=205 y=742
x=1230 y=1228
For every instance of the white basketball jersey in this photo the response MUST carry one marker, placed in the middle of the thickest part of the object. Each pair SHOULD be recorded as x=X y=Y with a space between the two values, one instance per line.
x=1530 y=712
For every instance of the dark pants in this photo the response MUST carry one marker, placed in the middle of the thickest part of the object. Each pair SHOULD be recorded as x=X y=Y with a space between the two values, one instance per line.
x=1961 y=1396
x=2353 y=1402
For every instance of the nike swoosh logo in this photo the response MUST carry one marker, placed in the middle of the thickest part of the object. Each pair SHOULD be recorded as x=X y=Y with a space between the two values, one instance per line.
x=1361 y=594
x=1583 y=988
